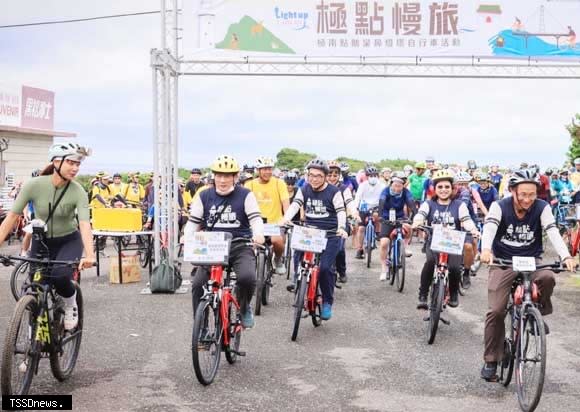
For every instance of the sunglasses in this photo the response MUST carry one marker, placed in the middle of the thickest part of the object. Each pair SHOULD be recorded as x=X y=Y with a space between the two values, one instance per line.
x=443 y=187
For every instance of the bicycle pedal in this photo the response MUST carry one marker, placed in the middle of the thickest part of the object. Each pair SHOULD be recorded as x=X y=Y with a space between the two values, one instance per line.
x=445 y=321
x=238 y=352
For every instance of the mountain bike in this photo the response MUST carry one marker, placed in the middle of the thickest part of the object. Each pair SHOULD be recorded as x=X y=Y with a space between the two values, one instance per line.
x=36 y=330
x=370 y=237
x=264 y=271
x=525 y=346
x=396 y=258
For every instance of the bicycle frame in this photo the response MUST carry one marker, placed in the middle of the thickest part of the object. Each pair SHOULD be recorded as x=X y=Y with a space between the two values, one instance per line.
x=310 y=264
x=222 y=293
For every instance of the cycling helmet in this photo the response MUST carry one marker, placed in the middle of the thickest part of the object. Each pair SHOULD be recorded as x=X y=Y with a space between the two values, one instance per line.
x=548 y=172
x=523 y=165
x=409 y=168
x=564 y=171
x=471 y=165
x=463 y=177
x=386 y=169
x=35 y=173
x=419 y=165
x=318 y=164
x=535 y=168
x=429 y=159
x=333 y=164
x=291 y=179
x=68 y=150
x=577 y=161
x=435 y=167
x=483 y=177
x=117 y=175
x=398 y=178
x=99 y=175
x=523 y=176
x=249 y=168
x=263 y=162
x=196 y=171
x=371 y=170
x=344 y=167
x=225 y=164
x=441 y=175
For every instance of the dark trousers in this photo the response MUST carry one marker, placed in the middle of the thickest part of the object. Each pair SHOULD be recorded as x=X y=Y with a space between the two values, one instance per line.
x=341 y=258
x=453 y=263
x=326 y=277
x=243 y=262
x=69 y=247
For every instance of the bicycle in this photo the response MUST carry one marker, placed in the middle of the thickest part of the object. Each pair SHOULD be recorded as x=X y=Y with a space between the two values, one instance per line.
x=440 y=295
x=307 y=294
x=396 y=258
x=36 y=330
x=525 y=344
x=264 y=271
x=370 y=238
x=217 y=325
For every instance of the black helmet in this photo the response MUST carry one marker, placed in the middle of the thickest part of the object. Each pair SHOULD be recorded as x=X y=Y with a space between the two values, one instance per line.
x=371 y=170
x=291 y=178
x=35 y=173
x=318 y=164
x=117 y=175
x=196 y=171
x=523 y=176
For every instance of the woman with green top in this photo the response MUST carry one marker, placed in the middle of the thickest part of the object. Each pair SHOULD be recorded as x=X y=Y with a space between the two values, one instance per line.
x=58 y=200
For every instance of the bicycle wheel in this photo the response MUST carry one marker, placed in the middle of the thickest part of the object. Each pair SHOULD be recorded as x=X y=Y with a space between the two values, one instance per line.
x=316 y=319
x=235 y=333
x=401 y=267
x=393 y=265
x=435 y=308
x=260 y=272
x=369 y=251
x=206 y=342
x=65 y=350
x=145 y=250
x=530 y=361
x=267 y=283
x=20 y=354
x=507 y=363
x=299 y=305
x=288 y=255
x=18 y=278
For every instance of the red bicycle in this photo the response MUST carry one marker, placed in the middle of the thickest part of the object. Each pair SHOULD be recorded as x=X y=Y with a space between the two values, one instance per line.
x=217 y=325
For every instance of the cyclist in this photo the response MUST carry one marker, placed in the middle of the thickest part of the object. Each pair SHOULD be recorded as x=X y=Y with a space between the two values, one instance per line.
x=396 y=197
x=333 y=178
x=514 y=227
x=134 y=192
x=101 y=193
x=59 y=200
x=496 y=176
x=194 y=182
x=324 y=209
x=487 y=191
x=228 y=207
x=117 y=187
x=564 y=188
x=428 y=186
x=348 y=180
x=416 y=182
x=366 y=199
x=442 y=209
x=273 y=199
x=575 y=176
x=408 y=169
x=386 y=173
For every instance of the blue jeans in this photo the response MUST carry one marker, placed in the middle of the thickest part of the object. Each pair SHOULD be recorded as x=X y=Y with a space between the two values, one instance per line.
x=326 y=277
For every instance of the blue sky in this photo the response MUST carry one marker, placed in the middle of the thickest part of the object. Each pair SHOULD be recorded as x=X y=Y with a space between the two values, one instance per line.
x=101 y=76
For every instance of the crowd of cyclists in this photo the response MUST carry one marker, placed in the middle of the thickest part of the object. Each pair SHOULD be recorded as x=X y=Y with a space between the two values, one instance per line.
x=506 y=212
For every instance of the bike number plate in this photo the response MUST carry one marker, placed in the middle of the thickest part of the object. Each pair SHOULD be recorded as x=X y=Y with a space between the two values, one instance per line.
x=447 y=240
x=207 y=248
x=271 y=230
x=578 y=211
x=523 y=264
x=392 y=215
x=308 y=239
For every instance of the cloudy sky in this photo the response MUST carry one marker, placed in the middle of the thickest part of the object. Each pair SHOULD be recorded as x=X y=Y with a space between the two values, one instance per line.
x=101 y=76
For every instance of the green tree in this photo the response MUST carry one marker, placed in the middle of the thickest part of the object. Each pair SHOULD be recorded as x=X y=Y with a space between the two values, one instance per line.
x=574 y=130
x=292 y=158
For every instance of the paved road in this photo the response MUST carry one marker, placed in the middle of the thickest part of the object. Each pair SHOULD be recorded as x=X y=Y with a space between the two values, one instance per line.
x=372 y=356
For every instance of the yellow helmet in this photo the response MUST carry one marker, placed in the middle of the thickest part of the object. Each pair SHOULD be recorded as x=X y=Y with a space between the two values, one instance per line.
x=444 y=174
x=99 y=175
x=225 y=164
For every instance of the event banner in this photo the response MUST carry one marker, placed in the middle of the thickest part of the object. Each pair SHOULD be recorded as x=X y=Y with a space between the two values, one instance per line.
x=382 y=28
x=26 y=107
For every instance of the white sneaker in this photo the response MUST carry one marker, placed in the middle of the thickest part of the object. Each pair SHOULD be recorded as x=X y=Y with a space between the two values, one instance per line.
x=383 y=276
x=280 y=269
x=71 y=317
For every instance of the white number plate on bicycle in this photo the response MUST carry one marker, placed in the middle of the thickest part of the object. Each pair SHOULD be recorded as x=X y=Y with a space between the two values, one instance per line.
x=578 y=211
x=447 y=240
x=523 y=264
x=271 y=230
x=207 y=248
x=308 y=239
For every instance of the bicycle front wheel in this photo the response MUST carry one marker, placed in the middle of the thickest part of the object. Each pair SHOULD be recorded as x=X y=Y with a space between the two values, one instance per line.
x=299 y=305
x=267 y=283
x=401 y=267
x=530 y=365
x=206 y=342
x=507 y=363
x=20 y=356
x=260 y=272
x=65 y=352
x=18 y=278
x=435 y=308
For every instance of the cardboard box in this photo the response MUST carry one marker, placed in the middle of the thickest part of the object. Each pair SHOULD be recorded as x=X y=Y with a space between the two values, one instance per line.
x=131 y=269
x=117 y=219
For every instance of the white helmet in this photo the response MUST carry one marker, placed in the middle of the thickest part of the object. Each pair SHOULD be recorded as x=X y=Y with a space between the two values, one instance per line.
x=68 y=150
x=408 y=168
x=262 y=162
x=463 y=177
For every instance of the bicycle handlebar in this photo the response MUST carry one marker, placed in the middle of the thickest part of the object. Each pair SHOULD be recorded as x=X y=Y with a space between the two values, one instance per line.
x=556 y=266
x=7 y=261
